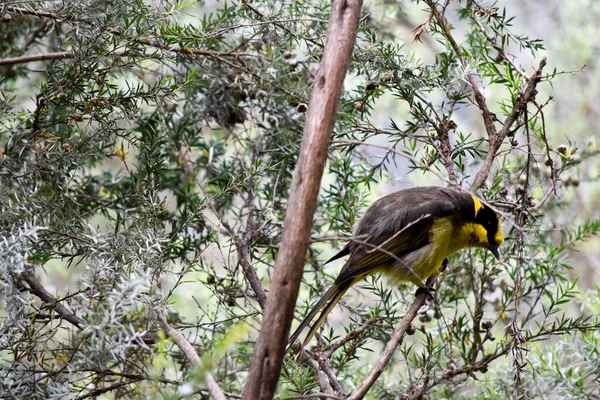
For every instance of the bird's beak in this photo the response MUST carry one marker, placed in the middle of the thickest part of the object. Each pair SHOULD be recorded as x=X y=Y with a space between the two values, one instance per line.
x=494 y=249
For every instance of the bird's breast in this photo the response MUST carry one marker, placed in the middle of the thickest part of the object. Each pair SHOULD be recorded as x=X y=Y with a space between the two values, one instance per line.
x=451 y=237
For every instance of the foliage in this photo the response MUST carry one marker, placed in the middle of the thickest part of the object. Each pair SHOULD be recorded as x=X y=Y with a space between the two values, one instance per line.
x=146 y=155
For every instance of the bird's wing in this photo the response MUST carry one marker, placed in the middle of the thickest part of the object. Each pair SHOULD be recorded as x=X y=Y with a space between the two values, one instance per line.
x=408 y=233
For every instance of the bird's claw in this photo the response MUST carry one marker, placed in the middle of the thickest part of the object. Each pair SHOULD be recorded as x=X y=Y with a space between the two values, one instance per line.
x=429 y=290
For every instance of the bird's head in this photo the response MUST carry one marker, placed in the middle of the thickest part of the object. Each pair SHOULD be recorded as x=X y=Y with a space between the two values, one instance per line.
x=488 y=228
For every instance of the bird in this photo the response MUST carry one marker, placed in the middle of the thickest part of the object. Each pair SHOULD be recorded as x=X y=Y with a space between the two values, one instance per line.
x=407 y=235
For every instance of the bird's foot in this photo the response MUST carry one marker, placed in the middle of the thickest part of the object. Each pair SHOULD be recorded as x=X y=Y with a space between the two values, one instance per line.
x=429 y=290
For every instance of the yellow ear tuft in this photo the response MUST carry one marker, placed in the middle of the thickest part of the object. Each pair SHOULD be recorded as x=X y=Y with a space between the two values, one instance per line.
x=477 y=205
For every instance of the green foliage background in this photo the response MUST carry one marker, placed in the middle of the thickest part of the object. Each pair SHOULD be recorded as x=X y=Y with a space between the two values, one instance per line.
x=149 y=167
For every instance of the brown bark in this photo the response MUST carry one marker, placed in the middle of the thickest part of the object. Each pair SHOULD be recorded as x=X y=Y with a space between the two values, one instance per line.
x=281 y=301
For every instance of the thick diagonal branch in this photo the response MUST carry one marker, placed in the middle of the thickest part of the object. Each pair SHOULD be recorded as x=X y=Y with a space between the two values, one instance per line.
x=496 y=140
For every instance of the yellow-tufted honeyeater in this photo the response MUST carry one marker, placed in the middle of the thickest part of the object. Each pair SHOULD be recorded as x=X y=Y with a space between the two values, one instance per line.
x=407 y=235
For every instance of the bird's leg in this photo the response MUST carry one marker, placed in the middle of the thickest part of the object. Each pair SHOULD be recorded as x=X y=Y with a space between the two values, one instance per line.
x=444 y=265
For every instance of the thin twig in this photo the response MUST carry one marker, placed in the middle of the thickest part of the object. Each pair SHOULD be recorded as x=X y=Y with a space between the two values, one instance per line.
x=499 y=49
x=105 y=389
x=471 y=368
x=322 y=379
x=209 y=324
x=244 y=243
x=353 y=334
x=549 y=161
x=249 y=270
x=390 y=149
x=42 y=29
x=488 y=116
x=496 y=138
x=219 y=56
x=442 y=128
x=515 y=329
x=477 y=313
x=276 y=23
x=313 y=396
x=325 y=365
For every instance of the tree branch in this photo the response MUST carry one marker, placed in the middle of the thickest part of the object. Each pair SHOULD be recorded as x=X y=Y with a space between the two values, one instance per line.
x=322 y=111
x=495 y=137
x=249 y=270
x=353 y=334
x=190 y=354
x=496 y=141
x=401 y=154
x=479 y=98
x=470 y=368
x=243 y=245
x=34 y=287
x=323 y=380
x=36 y=57
x=40 y=14
x=278 y=24
x=313 y=396
x=394 y=342
x=499 y=48
x=101 y=390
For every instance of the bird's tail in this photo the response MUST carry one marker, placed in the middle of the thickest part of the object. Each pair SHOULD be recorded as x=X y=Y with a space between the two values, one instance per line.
x=331 y=297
